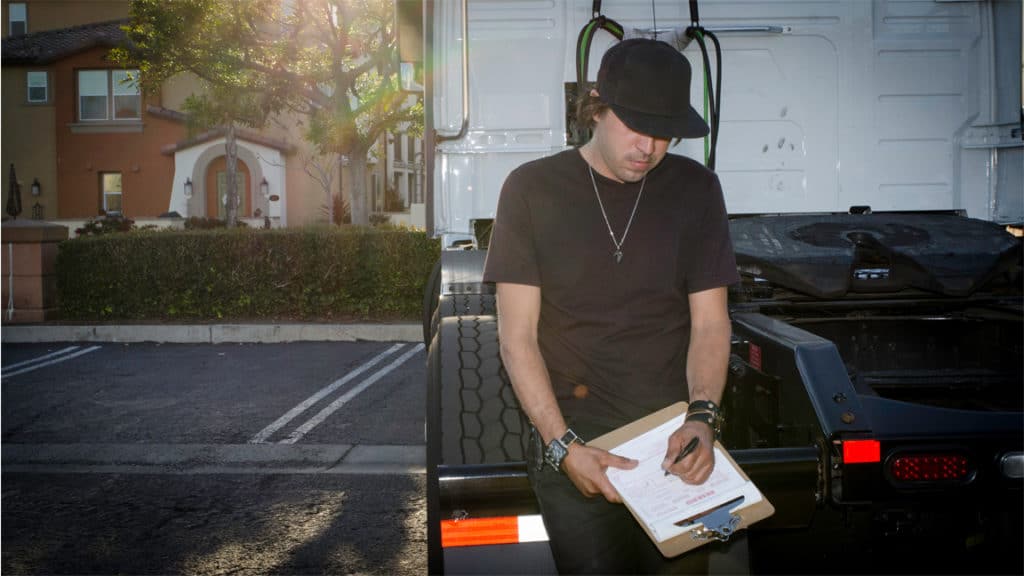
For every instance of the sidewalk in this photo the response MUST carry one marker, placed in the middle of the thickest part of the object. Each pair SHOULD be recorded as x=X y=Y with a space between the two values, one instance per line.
x=214 y=458
x=211 y=333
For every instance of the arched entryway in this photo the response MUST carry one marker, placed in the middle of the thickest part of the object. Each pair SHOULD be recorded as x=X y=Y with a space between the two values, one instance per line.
x=207 y=196
x=201 y=169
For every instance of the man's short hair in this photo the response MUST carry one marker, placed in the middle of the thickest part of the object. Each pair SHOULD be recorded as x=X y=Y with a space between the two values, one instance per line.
x=588 y=106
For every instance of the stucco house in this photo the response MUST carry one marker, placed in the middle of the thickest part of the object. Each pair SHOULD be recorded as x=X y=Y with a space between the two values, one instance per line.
x=75 y=125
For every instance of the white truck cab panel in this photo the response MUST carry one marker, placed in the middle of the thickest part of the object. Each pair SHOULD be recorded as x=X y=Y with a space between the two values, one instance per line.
x=901 y=105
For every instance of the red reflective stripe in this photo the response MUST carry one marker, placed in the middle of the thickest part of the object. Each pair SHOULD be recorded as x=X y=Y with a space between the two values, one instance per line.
x=479 y=531
x=755 y=356
x=862 y=451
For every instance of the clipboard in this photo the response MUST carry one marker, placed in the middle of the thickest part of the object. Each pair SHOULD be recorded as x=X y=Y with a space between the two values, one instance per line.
x=715 y=524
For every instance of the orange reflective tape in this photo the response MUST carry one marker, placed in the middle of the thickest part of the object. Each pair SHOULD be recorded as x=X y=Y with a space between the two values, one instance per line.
x=479 y=531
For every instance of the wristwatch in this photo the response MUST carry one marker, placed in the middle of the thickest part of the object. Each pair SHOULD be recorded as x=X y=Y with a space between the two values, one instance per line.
x=558 y=449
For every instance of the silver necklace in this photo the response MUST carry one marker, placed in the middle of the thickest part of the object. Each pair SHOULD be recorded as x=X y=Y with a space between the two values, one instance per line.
x=618 y=243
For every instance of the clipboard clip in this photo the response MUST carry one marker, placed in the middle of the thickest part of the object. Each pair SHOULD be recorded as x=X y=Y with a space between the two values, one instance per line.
x=715 y=524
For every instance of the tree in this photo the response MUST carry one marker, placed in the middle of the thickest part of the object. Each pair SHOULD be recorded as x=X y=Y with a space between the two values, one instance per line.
x=164 y=43
x=319 y=168
x=356 y=61
x=334 y=61
x=226 y=108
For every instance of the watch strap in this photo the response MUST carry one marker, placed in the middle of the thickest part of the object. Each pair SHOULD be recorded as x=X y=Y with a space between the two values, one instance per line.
x=558 y=449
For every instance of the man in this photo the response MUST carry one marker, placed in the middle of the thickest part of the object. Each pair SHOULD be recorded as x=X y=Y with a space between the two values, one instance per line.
x=611 y=264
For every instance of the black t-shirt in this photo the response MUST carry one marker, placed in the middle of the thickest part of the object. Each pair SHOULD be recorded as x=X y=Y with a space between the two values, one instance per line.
x=614 y=335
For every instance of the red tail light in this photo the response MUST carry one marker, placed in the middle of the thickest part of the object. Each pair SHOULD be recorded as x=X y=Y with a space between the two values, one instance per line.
x=920 y=467
x=861 y=451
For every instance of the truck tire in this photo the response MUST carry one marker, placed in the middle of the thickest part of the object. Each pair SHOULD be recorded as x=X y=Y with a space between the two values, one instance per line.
x=481 y=304
x=480 y=421
x=431 y=294
x=456 y=288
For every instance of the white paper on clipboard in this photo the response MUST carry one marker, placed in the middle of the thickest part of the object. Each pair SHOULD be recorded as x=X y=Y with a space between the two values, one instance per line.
x=660 y=501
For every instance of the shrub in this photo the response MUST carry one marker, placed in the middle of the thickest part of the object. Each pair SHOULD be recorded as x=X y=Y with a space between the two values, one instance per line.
x=342 y=213
x=393 y=200
x=379 y=219
x=318 y=273
x=205 y=223
x=106 y=224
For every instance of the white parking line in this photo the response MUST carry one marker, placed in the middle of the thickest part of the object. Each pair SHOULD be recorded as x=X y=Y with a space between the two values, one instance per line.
x=267 y=432
x=344 y=398
x=51 y=362
x=41 y=358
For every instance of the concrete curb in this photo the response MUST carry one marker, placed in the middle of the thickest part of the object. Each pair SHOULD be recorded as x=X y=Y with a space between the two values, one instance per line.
x=213 y=333
x=214 y=458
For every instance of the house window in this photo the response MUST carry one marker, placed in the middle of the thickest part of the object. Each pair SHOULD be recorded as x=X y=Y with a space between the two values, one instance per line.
x=110 y=182
x=398 y=147
x=127 y=98
x=37 y=87
x=109 y=95
x=17 y=19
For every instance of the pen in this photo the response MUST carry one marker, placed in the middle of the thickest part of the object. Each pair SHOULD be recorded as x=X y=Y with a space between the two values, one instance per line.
x=690 y=447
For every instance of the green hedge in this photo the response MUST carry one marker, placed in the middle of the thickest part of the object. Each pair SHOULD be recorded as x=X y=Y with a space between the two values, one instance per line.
x=326 y=273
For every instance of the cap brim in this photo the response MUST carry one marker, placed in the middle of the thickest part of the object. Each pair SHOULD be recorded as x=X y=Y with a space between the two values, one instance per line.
x=692 y=125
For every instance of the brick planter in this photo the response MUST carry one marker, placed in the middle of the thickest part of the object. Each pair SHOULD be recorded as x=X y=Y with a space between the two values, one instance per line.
x=28 y=251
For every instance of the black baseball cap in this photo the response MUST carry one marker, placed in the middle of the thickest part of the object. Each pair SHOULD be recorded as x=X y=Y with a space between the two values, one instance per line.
x=647 y=84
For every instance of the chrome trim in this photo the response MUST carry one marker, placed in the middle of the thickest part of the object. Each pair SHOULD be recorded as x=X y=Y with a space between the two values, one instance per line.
x=1012 y=465
x=465 y=79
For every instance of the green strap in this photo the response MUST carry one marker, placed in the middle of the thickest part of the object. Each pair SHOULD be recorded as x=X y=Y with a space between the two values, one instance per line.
x=584 y=41
x=707 y=106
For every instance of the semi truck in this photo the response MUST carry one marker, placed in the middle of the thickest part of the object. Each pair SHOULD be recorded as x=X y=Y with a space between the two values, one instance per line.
x=872 y=161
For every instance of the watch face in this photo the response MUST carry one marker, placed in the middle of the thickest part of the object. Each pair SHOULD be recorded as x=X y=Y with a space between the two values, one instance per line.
x=555 y=454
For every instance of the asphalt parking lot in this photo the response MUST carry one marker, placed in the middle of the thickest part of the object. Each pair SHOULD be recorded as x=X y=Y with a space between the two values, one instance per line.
x=213 y=458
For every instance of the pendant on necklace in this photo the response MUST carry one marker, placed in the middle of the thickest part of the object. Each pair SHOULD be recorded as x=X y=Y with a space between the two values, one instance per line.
x=618 y=256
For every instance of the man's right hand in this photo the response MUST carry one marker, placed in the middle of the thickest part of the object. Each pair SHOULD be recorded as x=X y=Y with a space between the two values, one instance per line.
x=586 y=466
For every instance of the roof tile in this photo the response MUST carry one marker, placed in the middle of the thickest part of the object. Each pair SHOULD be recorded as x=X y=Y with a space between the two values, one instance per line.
x=49 y=46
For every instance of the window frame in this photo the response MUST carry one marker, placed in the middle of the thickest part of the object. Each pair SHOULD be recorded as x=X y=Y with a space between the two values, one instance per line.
x=23 y=19
x=104 y=194
x=119 y=84
x=111 y=94
x=28 y=86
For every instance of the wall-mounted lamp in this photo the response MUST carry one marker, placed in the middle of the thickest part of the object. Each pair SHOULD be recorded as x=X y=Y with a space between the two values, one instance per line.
x=264 y=187
x=36 y=189
x=188 y=188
